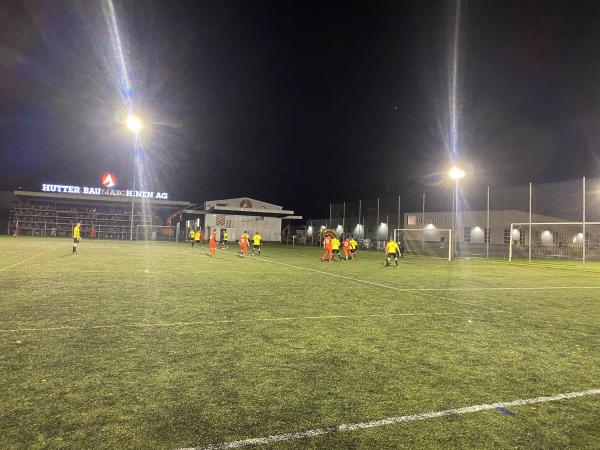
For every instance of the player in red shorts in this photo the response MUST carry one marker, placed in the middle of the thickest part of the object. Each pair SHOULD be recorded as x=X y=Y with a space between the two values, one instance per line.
x=212 y=244
x=346 y=248
x=327 y=246
x=244 y=243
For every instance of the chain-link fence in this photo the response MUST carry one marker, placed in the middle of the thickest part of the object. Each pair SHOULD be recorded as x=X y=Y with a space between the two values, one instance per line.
x=551 y=220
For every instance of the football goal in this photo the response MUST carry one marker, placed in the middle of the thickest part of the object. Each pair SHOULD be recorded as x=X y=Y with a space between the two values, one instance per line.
x=436 y=242
x=555 y=240
x=155 y=233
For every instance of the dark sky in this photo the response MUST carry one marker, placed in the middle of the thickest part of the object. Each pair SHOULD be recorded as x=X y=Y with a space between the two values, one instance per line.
x=299 y=102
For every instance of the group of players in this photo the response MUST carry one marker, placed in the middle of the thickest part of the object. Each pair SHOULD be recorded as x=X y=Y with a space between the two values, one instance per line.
x=197 y=236
x=331 y=245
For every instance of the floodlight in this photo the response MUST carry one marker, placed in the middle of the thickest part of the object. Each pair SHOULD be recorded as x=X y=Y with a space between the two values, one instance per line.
x=456 y=173
x=134 y=124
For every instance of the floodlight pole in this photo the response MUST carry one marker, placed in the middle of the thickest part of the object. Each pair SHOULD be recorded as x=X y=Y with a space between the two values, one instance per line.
x=132 y=198
x=377 y=226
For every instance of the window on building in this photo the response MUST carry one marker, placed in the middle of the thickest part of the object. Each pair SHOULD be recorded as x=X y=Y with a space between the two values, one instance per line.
x=507 y=235
x=486 y=236
x=467 y=234
x=523 y=238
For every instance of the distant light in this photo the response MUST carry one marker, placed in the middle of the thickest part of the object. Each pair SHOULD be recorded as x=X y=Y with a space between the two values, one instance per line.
x=430 y=226
x=456 y=173
x=134 y=124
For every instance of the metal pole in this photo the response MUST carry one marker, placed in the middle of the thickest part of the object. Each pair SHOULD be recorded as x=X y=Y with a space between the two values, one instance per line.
x=510 y=243
x=359 y=223
x=377 y=224
x=344 y=220
x=398 y=224
x=489 y=234
x=423 y=226
x=583 y=220
x=132 y=202
x=529 y=238
x=329 y=214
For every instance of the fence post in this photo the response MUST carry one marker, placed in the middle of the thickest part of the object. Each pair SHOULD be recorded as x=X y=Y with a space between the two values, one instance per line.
x=423 y=226
x=344 y=220
x=510 y=243
x=583 y=220
x=377 y=224
x=529 y=237
x=489 y=234
x=398 y=224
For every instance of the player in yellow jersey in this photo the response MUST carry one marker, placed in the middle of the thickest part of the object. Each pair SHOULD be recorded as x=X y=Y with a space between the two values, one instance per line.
x=76 y=236
x=353 y=247
x=225 y=240
x=392 y=250
x=191 y=235
x=335 y=248
x=197 y=236
x=256 y=241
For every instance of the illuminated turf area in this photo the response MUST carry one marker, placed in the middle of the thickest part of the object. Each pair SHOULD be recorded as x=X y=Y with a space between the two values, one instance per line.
x=133 y=345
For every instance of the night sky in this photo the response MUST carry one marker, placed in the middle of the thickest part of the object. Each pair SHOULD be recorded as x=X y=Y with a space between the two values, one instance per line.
x=299 y=102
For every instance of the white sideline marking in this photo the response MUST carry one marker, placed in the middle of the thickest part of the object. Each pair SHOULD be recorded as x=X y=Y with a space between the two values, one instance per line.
x=31 y=257
x=209 y=322
x=372 y=283
x=391 y=421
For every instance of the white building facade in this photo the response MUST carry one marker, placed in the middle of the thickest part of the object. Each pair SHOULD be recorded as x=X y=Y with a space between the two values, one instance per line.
x=236 y=215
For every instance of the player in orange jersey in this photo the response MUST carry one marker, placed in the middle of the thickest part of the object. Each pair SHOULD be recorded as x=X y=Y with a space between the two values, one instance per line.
x=244 y=243
x=346 y=248
x=327 y=246
x=212 y=244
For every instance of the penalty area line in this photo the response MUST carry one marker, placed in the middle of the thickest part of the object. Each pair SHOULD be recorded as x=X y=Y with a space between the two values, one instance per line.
x=229 y=321
x=391 y=421
x=31 y=257
x=380 y=285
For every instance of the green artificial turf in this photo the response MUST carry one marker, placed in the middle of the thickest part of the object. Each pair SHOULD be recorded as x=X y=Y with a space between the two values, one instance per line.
x=156 y=345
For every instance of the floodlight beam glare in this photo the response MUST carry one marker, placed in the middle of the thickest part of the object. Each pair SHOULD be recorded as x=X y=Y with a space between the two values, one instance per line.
x=117 y=47
x=454 y=82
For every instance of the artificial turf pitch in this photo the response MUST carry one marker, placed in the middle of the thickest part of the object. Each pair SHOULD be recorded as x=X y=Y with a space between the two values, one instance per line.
x=156 y=345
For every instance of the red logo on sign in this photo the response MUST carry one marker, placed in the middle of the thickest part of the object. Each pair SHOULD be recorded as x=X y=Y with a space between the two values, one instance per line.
x=109 y=180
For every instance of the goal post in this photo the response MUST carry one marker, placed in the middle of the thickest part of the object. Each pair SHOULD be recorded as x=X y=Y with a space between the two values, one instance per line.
x=435 y=242
x=155 y=233
x=555 y=240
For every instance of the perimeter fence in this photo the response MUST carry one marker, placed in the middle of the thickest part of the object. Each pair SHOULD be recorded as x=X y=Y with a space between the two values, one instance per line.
x=549 y=220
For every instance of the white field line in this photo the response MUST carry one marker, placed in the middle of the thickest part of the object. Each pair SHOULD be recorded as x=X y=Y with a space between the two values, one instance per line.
x=372 y=283
x=31 y=257
x=209 y=322
x=391 y=421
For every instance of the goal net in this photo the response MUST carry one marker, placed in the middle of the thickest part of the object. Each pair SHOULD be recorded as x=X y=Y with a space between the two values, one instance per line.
x=555 y=240
x=435 y=242
x=155 y=233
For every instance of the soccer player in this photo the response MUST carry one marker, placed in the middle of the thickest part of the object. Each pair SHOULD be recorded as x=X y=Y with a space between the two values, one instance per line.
x=392 y=250
x=243 y=243
x=335 y=247
x=225 y=240
x=346 y=248
x=192 y=235
x=327 y=246
x=353 y=246
x=212 y=244
x=256 y=241
x=76 y=236
x=196 y=240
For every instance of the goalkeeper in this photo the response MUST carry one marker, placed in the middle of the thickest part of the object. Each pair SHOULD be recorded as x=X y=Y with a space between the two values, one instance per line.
x=392 y=250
